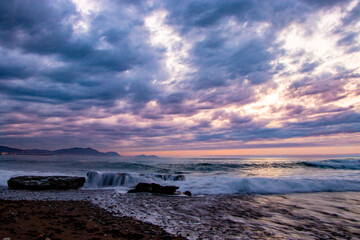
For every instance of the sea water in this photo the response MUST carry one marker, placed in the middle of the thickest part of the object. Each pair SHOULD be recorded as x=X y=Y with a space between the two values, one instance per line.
x=198 y=175
x=233 y=198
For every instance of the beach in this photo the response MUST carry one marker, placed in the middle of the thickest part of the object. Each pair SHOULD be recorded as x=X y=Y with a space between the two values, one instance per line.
x=70 y=220
x=281 y=216
x=113 y=215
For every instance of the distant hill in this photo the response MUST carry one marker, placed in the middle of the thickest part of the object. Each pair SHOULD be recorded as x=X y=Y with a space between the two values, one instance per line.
x=38 y=152
x=78 y=151
x=10 y=150
x=112 y=154
x=67 y=151
x=146 y=156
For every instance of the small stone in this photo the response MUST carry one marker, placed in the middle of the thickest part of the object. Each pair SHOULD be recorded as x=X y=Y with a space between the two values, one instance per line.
x=187 y=193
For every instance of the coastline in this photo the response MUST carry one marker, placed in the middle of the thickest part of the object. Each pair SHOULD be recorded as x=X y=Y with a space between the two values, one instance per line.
x=322 y=215
x=35 y=219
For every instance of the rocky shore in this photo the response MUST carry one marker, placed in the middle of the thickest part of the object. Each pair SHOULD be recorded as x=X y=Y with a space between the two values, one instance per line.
x=70 y=220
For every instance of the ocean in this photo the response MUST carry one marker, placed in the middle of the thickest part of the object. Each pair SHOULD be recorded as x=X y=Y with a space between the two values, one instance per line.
x=233 y=198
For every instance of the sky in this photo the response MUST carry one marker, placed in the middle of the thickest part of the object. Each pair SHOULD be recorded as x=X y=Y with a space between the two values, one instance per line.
x=183 y=78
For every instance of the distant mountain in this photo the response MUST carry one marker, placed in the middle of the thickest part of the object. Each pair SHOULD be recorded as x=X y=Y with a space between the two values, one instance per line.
x=78 y=151
x=112 y=154
x=67 y=151
x=38 y=152
x=10 y=150
x=146 y=156
x=83 y=151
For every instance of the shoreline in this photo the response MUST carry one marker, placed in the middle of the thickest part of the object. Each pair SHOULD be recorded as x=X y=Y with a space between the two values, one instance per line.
x=324 y=215
x=59 y=219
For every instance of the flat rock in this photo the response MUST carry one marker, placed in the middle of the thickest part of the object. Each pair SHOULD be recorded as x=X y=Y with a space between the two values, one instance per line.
x=46 y=182
x=154 y=188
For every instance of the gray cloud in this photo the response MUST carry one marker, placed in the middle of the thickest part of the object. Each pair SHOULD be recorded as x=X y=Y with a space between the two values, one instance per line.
x=309 y=67
x=54 y=76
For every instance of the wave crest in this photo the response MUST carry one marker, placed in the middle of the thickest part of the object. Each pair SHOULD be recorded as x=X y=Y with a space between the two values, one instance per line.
x=111 y=179
x=349 y=164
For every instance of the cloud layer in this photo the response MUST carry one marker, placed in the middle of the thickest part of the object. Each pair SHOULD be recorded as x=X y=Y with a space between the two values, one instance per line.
x=179 y=75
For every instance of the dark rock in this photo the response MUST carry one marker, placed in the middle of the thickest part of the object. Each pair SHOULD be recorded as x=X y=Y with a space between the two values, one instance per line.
x=46 y=182
x=134 y=236
x=154 y=188
x=187 y=193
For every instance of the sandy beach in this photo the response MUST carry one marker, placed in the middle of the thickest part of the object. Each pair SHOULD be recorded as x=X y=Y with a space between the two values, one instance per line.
x=70 y=220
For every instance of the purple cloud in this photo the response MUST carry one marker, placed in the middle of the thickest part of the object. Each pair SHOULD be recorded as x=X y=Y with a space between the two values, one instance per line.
x=69 y=77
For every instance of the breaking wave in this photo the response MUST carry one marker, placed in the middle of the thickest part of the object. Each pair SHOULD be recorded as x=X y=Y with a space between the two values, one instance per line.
x=350 y=164
x=262 y=185
x=223 y=184
x=353 y=164
x=110 y=179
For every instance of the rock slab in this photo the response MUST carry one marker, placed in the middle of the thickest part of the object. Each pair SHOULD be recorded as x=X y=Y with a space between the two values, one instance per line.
x=46 y=182
x=154 y=188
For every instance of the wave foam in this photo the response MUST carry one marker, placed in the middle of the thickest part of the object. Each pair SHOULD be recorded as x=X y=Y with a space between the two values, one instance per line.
x=110 y=179
x=259 y=185
x=349 y=164
x=221 y=184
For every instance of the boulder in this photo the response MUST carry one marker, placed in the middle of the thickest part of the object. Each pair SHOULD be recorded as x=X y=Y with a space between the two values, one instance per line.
x=46 y=182
x=154 y=188
x=187 y=193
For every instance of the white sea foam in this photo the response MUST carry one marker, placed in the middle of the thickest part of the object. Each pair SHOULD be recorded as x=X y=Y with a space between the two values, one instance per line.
x=243 y=217
x=351 y=164
x=124 y=181
x=259 y=185
x=218 y=184
x=224 y=184
x=200 y=176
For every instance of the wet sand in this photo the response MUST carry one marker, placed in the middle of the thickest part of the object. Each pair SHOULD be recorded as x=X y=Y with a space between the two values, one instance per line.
x=323 y=215
x=70 y=215
x=70 y=220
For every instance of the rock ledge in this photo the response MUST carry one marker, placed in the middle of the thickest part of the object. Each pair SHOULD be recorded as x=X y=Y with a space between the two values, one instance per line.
x=154 y=188
x=46 y=182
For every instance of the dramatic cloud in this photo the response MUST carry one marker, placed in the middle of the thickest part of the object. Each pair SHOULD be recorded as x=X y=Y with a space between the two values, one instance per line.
x=133 y=76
